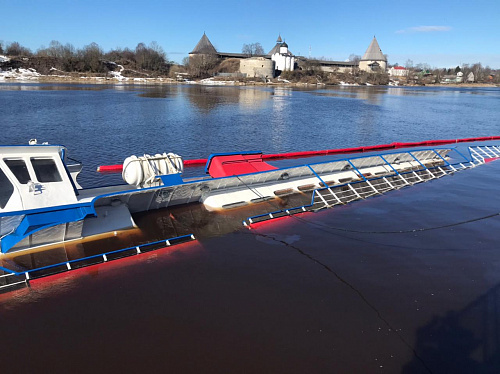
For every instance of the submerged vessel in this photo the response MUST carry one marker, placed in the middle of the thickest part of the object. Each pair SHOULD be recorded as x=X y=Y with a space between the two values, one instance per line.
x=42 y=203
x=49 y=224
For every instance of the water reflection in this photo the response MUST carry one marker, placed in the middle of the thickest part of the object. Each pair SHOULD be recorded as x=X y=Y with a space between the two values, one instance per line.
x=160 y=92
x=465 y=341
x=194 y=120
x=281 y=117
x=371 y=95
x=374 y=94
x=395 y=91
x=251 y=99
x=153 y=226
x=208 y=98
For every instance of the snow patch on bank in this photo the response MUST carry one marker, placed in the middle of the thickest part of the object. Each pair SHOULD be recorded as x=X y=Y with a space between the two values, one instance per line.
x=342 y=83
x=19 y=74
x=32 y=74
x=212 y=82
x=118 y=74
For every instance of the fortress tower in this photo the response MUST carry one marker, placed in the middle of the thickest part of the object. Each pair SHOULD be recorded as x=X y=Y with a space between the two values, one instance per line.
x=373 y=60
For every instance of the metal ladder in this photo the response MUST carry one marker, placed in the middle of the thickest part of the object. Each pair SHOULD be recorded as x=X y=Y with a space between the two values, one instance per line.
x=363 y=186
x=330 y=196
x=480 y=154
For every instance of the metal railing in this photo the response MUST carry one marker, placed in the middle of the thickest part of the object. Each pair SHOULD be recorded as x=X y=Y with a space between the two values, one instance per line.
x=365 y=186
x=482 y=153
x=12 y=278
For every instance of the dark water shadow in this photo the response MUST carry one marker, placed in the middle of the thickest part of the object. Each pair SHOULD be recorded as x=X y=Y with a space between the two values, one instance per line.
x=160 y=92
x=464 y=341
x=208 y=98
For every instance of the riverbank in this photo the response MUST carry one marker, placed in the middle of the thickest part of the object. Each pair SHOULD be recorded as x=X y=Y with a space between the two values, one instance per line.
x=463 y=85
x=31 y=76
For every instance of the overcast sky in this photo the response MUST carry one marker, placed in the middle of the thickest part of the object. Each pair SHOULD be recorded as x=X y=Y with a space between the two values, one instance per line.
x=440 y=33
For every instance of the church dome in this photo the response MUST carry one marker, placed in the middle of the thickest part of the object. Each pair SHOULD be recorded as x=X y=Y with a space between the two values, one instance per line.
x=284 y=45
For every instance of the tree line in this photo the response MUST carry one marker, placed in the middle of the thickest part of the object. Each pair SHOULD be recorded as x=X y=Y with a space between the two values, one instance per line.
x=92 y=58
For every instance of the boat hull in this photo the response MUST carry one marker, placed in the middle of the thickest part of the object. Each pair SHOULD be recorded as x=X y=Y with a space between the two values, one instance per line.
x=113 y=210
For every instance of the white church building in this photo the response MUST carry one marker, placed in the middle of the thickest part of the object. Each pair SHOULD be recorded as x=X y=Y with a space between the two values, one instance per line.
x=282 y=57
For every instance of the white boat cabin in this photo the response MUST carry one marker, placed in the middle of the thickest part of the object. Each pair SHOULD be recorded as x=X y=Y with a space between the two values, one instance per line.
x=35 y=176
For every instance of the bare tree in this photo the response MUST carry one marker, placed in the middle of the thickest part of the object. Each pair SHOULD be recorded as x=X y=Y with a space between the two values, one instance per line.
x=258 y=49
x=121 y=55
x=438 y=74
x=422 y=66
x=63 y=57
x=312 y=65
x=487 y=72
x=478 y=71
x=114 y=55
x=91 y=56
x=140 y=54
x=128 y=54
x=16 y=49
x=157 y=57
x=253 y=49
x=151 y=58
x=246 y=49
x=354 y=58
x=202 y=65
x=55 y=49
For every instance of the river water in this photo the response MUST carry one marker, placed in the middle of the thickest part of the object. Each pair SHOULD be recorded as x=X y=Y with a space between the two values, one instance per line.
x=322 y=292
x=106 y=124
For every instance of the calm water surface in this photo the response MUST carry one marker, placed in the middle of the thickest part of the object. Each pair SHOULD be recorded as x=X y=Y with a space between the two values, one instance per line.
x=106 y=124
x=314 y=293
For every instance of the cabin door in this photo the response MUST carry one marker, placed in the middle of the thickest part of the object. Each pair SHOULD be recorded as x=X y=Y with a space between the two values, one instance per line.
x=42 y=181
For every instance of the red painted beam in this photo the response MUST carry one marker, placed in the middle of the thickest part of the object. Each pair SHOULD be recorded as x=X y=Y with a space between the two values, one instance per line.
x=281 y=156
x=119 y=168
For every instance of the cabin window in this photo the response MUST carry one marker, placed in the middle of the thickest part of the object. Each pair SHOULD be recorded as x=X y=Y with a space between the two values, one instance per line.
x=6 y=189
x=19 y=169
x=46 y=170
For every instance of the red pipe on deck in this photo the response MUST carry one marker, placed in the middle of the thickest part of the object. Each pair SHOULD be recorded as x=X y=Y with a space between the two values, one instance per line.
x=281 y=156
x=119 y=168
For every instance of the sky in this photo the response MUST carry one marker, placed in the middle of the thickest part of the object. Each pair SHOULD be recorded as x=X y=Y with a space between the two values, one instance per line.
x=441 y=33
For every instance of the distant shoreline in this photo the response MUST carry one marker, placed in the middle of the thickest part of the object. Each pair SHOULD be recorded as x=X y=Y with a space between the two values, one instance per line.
x=170 y=81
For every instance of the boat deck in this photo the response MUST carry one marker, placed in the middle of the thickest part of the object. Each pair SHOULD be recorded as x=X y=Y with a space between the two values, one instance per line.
x=88 y=194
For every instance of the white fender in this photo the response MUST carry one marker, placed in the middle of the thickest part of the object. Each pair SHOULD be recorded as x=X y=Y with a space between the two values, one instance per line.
x=132 y=171
x=143 y=171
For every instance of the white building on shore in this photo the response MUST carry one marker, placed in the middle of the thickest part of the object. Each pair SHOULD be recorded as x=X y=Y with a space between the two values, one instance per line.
x=398 y=71
x=283 y=59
